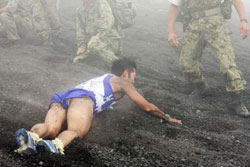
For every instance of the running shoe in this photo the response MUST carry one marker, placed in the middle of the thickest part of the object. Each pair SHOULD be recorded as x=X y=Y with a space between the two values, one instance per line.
x=48 y=146
x=25 y=142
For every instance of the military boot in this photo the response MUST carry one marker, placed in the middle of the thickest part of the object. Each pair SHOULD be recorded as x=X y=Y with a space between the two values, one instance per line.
x=80 y=58
x=238 y=106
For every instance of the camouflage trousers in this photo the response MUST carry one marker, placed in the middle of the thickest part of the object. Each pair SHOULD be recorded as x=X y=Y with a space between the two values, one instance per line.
x=45 y=18
x=8 y=29
x=13 y=27
x=106 y=48
x=212 y=31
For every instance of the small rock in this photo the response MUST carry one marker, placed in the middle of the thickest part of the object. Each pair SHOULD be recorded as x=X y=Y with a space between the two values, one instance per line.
x=198 y=111
x=41 y=163
x=136 y=148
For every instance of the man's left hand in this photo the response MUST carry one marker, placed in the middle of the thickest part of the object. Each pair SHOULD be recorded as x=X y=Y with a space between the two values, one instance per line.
x=244 y=30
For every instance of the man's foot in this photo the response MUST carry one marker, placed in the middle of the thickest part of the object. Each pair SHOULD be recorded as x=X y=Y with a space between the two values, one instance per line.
x=80 y=58
x=47 y=145
x=26 y=143
x=238 y=106
x=241 y=110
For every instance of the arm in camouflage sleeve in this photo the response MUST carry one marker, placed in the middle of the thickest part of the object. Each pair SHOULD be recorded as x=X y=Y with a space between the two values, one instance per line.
x=106 y=20
x=80 y=33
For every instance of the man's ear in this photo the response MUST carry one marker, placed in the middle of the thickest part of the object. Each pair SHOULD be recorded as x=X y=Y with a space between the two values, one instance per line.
x=124 y=74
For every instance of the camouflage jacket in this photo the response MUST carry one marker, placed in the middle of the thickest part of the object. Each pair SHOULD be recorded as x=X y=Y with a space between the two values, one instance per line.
x=199 y=5
x=191 y=6
x=95 y=20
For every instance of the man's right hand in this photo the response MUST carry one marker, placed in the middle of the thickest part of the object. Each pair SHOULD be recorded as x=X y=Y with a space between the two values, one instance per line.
x=175 y=121
x=173 y=40
x=80 y=51
x=244 y=29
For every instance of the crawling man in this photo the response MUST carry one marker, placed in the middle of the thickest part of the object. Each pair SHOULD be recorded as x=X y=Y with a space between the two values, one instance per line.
x=79 y=105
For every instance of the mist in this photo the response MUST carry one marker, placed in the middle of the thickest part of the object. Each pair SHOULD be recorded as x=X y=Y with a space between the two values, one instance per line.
x=211 y=134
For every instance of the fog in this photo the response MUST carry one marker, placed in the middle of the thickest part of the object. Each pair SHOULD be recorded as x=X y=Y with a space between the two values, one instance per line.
x=211 y=135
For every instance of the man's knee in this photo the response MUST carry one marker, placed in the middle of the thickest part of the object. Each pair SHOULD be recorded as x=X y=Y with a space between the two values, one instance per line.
x=96 y=45
x=44 y=128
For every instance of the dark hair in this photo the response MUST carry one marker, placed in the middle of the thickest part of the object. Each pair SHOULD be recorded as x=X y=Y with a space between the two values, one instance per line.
x=122 y=64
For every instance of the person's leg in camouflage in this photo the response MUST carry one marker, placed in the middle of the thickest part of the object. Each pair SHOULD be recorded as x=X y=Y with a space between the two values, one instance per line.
x=219 y=40
x=106 y=49
x=52 y=14
x=23 y=24
x=82 y=57
x=40 y=24
x=190 y=58
x=8 y=28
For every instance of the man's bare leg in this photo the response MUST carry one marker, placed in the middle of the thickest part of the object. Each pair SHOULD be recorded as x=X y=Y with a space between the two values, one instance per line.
x=50 y=128
x=53 y=122
x=79 y=119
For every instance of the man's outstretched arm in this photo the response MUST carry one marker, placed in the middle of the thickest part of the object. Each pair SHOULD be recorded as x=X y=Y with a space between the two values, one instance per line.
x=130 y=90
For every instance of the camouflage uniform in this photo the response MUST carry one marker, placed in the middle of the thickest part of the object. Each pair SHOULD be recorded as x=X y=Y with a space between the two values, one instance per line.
x=97 y=20
x=211 y=30
x=8 y=29
x=45 y=18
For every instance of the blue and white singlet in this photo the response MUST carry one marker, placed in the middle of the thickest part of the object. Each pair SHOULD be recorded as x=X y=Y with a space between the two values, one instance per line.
x=98 y=89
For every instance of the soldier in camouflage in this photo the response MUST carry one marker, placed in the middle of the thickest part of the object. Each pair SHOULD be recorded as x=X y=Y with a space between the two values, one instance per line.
x=45 y=20
x=206 y=24
x=8 y=29
x=96 y=33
